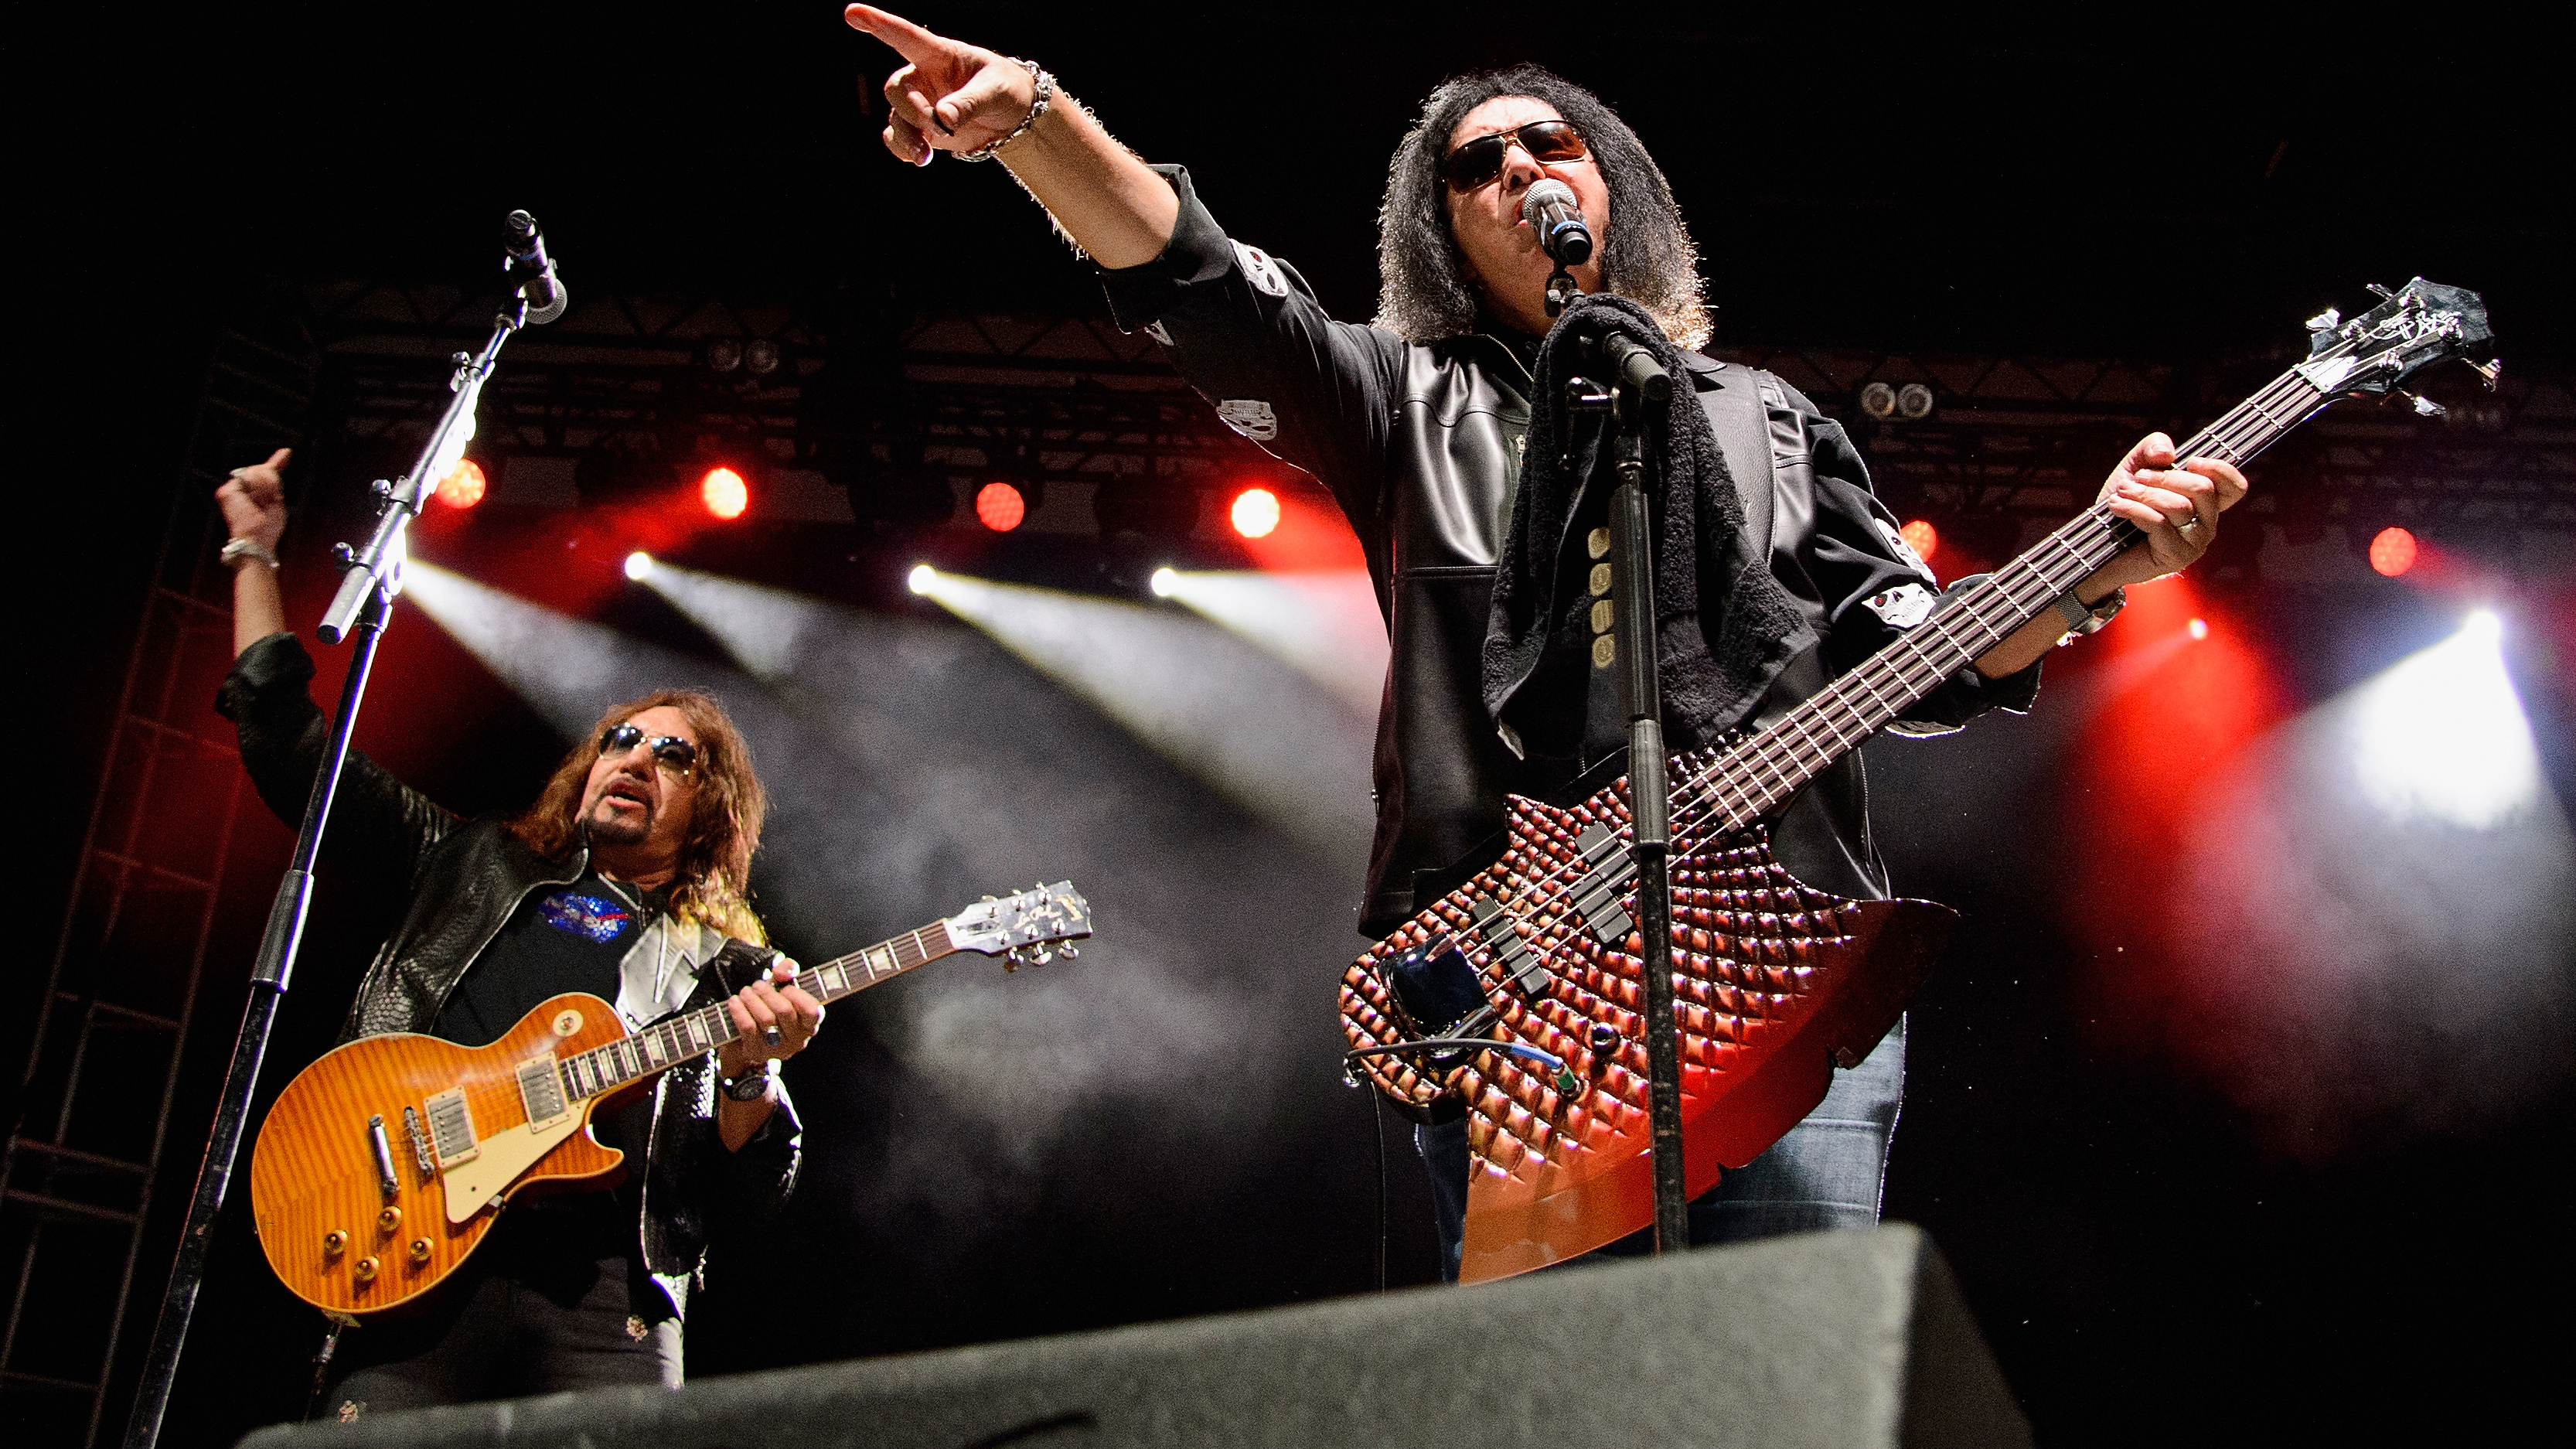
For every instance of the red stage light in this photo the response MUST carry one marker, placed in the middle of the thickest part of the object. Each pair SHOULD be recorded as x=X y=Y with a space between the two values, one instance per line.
x=1921 y=537
x=2392 y=552
x=1256 y=512
x=1000 y=506
x=724 y=493
x=463 y=485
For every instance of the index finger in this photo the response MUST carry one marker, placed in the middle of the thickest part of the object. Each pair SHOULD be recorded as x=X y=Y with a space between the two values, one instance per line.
x=2150 y=448
x=914 y=43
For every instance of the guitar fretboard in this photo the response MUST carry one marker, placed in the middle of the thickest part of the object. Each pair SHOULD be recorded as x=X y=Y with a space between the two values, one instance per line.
x=1761 y=773
x=694 y=1034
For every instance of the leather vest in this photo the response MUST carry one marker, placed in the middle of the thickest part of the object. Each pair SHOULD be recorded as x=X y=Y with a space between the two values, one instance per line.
x=1453 y=459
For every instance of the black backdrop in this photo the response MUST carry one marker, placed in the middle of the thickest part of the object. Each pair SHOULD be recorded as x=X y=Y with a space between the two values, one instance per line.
x=2179 y=187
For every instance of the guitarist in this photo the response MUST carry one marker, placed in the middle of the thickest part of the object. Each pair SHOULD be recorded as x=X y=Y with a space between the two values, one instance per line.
x=1416 y=424
x=626 y=880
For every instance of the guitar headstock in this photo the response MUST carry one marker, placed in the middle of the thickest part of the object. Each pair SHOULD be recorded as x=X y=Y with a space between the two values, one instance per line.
x=1023 y=929
x=2413 y=328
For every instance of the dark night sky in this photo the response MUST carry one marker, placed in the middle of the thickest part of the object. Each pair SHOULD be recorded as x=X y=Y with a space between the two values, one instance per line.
x=2182 y=188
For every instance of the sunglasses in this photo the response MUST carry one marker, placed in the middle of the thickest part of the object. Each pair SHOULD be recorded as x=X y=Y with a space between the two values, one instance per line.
x=1481 y=160
x=669 y=751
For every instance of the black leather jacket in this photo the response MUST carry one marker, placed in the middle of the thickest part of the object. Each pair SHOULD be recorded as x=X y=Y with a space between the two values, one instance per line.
x=1420 y=443
x=464 y=879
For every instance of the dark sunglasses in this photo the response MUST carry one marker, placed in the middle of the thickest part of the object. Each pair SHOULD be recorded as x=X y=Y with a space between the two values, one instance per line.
x=670 y=751
x=1481 y=160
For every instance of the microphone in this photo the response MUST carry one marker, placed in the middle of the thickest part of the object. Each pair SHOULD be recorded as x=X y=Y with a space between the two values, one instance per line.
x=1550 y=209
x=527 y=261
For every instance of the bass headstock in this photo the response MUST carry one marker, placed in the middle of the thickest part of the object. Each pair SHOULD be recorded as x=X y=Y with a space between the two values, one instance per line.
x=2412 y=328
x=1023 y=929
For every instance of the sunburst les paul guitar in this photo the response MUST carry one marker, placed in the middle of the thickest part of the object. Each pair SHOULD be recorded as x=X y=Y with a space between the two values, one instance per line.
x=382 y=1165
x=1518 y=998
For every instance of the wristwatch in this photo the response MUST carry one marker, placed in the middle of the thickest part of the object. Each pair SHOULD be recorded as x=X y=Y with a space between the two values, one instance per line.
x=2081 y=620
x=751 y=1086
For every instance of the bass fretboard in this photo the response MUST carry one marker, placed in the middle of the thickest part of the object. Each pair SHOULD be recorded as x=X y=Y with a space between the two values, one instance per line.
x=1759 y=774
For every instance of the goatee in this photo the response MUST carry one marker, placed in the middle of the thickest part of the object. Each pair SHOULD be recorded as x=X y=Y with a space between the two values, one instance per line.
x=609 y=828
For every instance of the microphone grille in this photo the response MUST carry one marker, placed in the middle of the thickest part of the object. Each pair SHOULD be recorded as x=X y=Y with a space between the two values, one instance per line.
x=1543 y=193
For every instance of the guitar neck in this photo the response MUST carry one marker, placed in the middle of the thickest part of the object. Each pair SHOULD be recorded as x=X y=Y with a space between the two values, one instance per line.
x=1760 y=774
x=690 y=1035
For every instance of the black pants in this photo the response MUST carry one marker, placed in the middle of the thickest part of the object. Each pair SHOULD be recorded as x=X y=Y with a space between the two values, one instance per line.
x=522 y=1325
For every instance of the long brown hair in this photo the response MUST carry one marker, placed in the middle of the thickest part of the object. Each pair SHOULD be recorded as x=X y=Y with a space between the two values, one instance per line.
x=714 y=881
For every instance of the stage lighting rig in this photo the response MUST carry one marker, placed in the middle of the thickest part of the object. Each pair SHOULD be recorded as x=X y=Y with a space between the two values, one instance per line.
x=761 y=357
x=724 y=355
x=1160 y=511
x=463 y=487
x=1255 y=513
x=999 y=507
x=2392 y=552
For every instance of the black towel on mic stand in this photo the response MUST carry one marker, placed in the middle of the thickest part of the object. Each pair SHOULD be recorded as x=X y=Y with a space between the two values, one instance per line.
x=1537 y=635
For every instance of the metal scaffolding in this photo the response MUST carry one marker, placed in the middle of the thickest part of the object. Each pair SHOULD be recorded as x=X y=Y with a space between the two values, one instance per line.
x=84 y=1158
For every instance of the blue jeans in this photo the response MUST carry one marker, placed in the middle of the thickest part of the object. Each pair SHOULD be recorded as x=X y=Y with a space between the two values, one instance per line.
x=1827 y=1172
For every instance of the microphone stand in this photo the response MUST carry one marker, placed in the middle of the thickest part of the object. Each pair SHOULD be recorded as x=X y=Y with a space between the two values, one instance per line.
x=371 y=579
x=1639 y=385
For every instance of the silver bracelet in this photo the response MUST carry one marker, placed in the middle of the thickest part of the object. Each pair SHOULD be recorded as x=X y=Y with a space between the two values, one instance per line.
x=241 y=548
x=1037 y=107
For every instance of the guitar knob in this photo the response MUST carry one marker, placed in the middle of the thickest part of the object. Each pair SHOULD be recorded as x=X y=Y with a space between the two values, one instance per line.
x=1604 y=1037
x=334 y=1242
x=364 y=1270
x=388 y=1220
x=419 y=1251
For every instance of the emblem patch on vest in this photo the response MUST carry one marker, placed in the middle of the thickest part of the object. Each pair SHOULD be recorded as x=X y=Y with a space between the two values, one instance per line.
x=1902 y=607
x=1249 y=416
x=586 y=916
x=1260 y=271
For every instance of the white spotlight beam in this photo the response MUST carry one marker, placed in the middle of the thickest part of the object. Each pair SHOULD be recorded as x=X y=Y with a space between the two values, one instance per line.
x=1324 y=624
x=2441 y=734
x=1255 y=732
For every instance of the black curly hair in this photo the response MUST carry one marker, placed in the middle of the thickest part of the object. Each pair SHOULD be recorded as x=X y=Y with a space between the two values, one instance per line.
x=1423 y=288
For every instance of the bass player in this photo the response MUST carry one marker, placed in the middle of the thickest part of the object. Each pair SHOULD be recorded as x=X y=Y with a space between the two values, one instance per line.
x=1415 y=424
x=626 y=880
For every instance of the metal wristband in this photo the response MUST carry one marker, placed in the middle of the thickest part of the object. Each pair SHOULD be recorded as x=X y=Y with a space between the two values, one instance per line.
x=242 y=548
x=1037 y=108
x=2081 y=620
x=750 y=1086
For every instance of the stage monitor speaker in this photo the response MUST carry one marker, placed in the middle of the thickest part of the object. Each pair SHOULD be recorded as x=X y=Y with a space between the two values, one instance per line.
x=1826 y=1339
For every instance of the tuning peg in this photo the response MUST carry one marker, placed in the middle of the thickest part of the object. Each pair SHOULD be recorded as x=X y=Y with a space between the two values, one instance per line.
x=2425 y=407
x=2385 y=295
x=2326 y=321
x=2491 y=371
x=1070 y=952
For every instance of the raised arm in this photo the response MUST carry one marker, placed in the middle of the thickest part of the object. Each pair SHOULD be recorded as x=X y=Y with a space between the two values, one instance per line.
x=254 y=505
x=959 y=98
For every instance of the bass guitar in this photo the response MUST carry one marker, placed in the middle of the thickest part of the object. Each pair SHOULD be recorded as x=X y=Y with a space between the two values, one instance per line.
x=1518 y=998
x=383 y=1164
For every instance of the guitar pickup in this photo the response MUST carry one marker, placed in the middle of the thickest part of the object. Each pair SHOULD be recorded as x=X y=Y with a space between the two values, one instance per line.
x=1607 y=872
x=1494 y=928
x=451 y=1128
x=541 y=1090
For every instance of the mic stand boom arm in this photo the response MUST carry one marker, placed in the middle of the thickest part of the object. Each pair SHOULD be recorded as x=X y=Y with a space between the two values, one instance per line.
x=367 y=590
